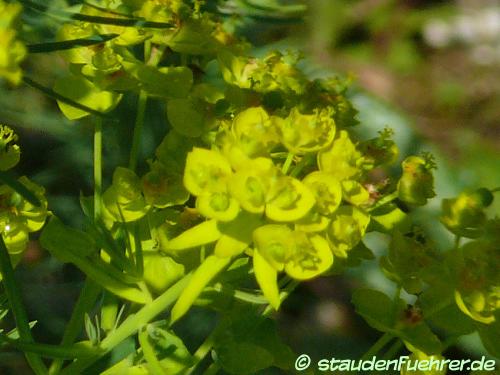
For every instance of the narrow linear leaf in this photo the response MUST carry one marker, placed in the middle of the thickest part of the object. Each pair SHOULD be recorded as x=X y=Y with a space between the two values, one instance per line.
x=148 y=351
x=267 y=278
x=202 y=276
x=71 y=245
x=54 y=95
x=201 y=234
x=19 y=188
x=105 y=10
x=69 y=44
x=132 y=22
x=79 y=350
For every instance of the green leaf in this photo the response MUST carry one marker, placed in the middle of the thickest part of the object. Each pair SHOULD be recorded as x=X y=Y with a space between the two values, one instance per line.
x=173 y=354
x=169 y=82
x=193 y=38
x=245 y=334
x=61 y=98
x=377 y=309
x=489 y=334
x=82 y=91
x=421 y=337
x=356 y=255
x=448 y=318
x=211 y=266
x=385 y=315
x=161 y=271
x=255 y=358
x=185 y=117
x=408 y=259
x=66 y=243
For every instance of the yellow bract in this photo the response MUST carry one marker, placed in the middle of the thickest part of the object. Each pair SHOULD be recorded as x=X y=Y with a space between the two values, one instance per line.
x=342 y=160
x=205 y=170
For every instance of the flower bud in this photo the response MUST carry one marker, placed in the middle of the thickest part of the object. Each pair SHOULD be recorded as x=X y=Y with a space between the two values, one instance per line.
x=465 y=215
x=416 y=185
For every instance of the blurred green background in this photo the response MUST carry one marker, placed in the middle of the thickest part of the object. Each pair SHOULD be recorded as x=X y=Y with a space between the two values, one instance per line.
x=428 y=69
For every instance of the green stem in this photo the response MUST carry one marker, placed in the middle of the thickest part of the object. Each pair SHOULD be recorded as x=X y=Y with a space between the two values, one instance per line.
x=457 y=243
x=377 y=346
x=393 y=350
x=50 y=351
x=254 y=298
x=138 y=126
x=384 y=200
x=212 y=369
x=283 y=295
x=202 y=351
x=495 y=190
x=287 y=163
x=97 y=168
x=395 y=307
x=16 y=303
x=85 y=302
x=131 y=325
x=300 y=165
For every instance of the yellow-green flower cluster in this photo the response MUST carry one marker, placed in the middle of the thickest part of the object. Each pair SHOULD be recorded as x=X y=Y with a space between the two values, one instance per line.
x=10 y=152
x=18 y=217
x=12 y=51
x=289 y=216
x=477 y=291
x=131 y=197
x=274 y=72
